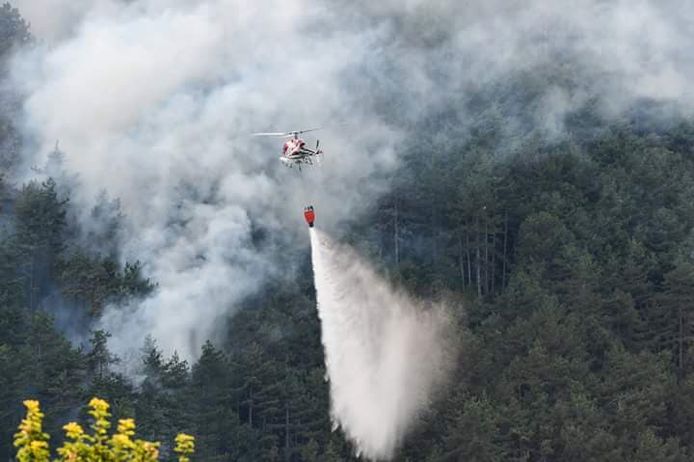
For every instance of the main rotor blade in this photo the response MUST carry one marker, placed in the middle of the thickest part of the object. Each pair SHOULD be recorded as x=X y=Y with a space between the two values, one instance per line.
x=299 y=132
x=292 y=133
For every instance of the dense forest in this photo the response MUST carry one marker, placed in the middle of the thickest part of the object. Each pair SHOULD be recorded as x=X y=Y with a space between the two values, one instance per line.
x=569 y=264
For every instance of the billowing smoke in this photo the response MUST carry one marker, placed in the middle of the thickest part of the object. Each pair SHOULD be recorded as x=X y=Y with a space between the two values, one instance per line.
x=153 y=102
x=156 y=106
x=385 y=353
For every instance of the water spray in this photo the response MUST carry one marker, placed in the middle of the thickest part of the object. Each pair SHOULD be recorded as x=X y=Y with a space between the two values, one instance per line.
x=385 y=353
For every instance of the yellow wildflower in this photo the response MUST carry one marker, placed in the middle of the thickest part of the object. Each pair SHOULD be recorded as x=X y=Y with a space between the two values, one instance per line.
x=121 y=440
x=80 y=446
x=98 y=405
x=37 y=447
x=150 y=451
x=32 y=405
x=100 y=414
x=185 y=446
x=73 y=430
x=31 y=441
x=126 y=427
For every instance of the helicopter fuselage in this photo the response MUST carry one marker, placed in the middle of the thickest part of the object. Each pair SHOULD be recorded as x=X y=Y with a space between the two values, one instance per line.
x=294 y=151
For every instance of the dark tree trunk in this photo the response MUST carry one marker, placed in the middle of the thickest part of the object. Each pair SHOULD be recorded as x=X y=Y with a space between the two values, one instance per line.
x=494 y=261
x=503 y=260
x=286 y=433
x=250 y=408
x=477 y=256
x=486 y=254
x=461 y=261
x=467 y=256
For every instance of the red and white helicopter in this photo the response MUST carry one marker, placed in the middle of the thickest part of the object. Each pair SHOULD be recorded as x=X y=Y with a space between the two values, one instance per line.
x=294 y=150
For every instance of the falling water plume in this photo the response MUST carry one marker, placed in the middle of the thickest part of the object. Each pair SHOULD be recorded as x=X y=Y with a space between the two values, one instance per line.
x=385 y=353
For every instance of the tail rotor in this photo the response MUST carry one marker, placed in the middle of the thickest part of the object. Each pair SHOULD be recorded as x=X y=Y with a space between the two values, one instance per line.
x=318 y=151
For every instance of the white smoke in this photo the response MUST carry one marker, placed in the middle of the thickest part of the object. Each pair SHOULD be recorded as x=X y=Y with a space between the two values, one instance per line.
x=156 y=106
x=153 y=101
x=385 y=354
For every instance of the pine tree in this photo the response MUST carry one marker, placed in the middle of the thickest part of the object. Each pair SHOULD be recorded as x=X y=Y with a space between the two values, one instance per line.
x=678 y=302
x=40 y=222
x=214 y=417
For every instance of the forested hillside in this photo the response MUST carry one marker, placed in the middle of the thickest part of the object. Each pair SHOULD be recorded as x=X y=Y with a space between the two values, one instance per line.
x=568 y=262
x=573 y=264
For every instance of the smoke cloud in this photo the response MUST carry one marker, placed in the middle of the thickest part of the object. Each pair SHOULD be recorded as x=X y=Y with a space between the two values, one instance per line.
x=156 y=107
x=153 y=102
x=384 y=352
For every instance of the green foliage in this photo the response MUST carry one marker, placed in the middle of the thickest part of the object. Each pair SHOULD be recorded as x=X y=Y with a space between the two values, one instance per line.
x=35 y=358
x=14 y=34
x=575 y=272
x=579 y=346
x=40 y=216
x=472 y=430
x=98 y=446
x=96 y=281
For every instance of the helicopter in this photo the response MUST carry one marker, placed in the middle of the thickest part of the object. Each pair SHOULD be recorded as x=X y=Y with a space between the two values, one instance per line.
x=294 y=150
